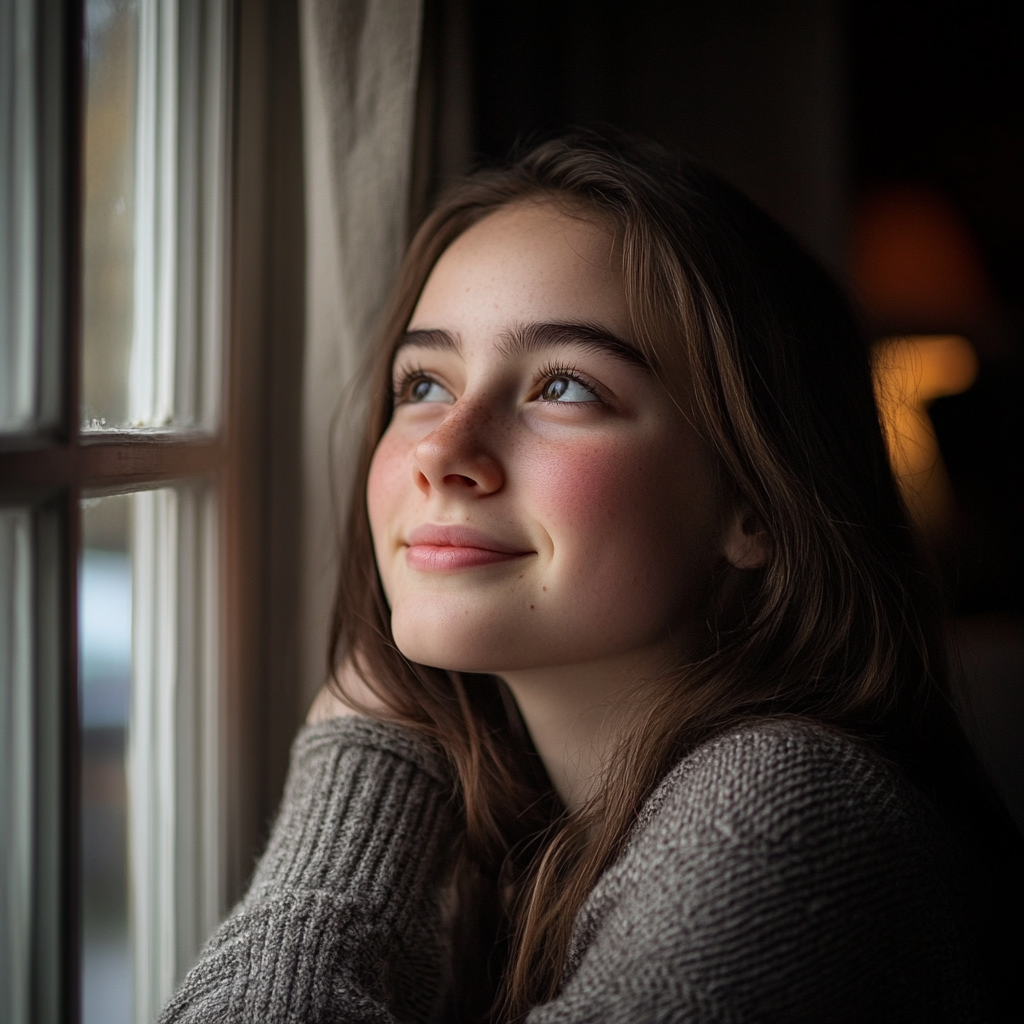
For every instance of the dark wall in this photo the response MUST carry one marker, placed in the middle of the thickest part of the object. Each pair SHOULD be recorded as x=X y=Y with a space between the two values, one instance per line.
x=937 y=95
x=753 y=88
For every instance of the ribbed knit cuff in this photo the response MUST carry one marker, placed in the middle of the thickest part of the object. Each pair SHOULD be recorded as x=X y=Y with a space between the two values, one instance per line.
x=343 y=920
x=366 y=812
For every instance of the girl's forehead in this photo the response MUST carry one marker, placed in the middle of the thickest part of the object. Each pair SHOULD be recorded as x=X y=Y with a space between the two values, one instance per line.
x=524 y=262
x=540 y=224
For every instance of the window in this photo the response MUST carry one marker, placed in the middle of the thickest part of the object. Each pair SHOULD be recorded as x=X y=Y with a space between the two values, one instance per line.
x=127 y=496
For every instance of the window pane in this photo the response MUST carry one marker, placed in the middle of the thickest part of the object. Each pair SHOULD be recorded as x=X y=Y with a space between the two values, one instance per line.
x=153 y=282
x=109 y=215
x=105 y=623
x=151 y=773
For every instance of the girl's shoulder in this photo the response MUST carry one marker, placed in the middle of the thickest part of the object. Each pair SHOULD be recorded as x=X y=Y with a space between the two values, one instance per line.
x=770 y=776
x=784 y=870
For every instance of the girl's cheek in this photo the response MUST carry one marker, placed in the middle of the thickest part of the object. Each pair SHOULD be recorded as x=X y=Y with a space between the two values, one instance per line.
x=387 y=471
x=585 y=482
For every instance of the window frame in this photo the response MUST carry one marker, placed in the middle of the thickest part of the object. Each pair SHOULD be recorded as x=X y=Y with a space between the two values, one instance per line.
x=251 y=458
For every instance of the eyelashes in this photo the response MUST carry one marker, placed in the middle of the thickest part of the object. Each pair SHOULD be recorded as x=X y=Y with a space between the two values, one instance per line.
x=409 y=378
x=551 y=372
x=401 y=384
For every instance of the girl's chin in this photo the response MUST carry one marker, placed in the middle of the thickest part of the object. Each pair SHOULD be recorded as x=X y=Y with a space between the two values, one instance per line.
x=455 y=653
x=448 y=659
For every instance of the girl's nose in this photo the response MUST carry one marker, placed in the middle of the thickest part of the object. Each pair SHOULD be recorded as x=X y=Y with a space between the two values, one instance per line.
x=454 y=455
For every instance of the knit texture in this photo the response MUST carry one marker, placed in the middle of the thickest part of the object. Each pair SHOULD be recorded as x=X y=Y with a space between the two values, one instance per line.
x=781 y=872
x=342 y=920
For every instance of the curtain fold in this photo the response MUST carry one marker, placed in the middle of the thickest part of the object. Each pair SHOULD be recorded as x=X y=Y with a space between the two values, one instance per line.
x=360 y=63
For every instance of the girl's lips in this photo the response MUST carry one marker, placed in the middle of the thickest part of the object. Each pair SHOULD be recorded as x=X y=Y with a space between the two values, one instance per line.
x=450 y=548
x=432 y=558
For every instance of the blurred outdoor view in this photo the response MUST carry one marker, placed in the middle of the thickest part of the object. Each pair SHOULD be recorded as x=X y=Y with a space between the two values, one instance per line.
x=105 y=644
x=105 y=576
x=109 y=216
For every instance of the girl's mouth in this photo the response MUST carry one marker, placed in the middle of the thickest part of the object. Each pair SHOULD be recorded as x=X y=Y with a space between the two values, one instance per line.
x=451 y=548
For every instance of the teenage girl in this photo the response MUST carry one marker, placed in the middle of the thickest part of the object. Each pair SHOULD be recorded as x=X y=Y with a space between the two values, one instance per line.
x=640 y=705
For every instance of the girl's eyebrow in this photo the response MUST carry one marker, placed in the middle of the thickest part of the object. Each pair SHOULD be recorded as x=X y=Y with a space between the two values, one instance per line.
x=530 y=337
x=525 y=338
x=434 y=338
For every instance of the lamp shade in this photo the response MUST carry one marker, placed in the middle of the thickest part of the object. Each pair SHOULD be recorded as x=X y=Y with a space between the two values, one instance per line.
x=914 y=265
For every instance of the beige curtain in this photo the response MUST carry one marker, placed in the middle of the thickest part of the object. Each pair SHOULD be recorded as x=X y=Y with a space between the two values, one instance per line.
x=360 y=62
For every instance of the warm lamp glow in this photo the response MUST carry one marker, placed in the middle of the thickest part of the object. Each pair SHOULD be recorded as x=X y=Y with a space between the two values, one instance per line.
x=910 y=373
x=914 y=264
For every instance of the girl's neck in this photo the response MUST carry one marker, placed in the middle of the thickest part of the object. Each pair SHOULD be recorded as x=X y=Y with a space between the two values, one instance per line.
x=576 y=715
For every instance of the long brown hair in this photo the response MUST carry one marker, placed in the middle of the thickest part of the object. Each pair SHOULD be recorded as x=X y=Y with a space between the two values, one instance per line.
x=839 y=626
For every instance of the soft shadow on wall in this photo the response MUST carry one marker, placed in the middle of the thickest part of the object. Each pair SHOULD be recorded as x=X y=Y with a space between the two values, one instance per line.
x=889 y=137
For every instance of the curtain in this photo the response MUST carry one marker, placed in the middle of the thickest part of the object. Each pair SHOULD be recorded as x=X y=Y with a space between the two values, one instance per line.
x=360 y=64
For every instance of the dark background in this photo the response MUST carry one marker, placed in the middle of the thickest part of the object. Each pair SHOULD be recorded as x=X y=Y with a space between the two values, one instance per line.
x=810 y=106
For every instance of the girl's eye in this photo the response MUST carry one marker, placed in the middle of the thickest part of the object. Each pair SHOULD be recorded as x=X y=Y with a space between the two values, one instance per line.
x=567 y=390
x=417 y=390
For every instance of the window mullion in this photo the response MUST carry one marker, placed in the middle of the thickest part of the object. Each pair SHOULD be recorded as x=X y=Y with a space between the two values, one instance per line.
x=17 y=762
x=34 y=179
x=34 y=879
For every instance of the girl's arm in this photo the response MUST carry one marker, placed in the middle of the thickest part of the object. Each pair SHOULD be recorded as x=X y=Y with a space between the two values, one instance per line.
x=343 y=920
x=780 y=873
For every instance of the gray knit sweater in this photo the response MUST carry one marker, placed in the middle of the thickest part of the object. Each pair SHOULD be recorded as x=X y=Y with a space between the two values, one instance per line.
x=781 y=872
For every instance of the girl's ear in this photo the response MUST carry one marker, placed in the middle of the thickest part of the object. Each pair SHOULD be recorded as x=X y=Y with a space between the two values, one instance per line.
x=746 y=541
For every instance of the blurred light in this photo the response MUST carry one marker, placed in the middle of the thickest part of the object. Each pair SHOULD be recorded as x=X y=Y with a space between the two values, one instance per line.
x=915 y=266
x=910 y=373
x=917 y=272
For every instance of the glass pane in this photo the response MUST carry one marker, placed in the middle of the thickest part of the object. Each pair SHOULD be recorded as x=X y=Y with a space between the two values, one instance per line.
x=111 y=28
x=174 y=751
x=105 y=635
x=152 y=282
x=151 y=853
x=17 y=757
x=31 y=185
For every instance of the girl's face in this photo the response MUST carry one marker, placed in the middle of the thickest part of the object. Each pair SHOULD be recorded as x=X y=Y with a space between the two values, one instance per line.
x=537 y=499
